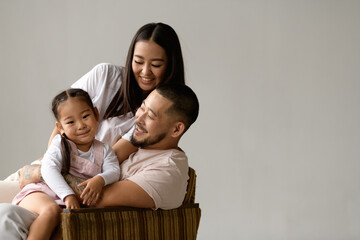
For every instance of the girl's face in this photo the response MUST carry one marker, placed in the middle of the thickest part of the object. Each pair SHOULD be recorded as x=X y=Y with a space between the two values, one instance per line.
x=149 y=64
x=78 y=121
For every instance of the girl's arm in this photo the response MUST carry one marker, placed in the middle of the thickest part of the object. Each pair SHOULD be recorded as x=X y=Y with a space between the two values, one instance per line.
x=110 y=171
x=51 y=169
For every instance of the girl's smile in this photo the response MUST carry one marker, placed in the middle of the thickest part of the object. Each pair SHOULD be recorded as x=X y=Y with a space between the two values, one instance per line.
x=78 y=121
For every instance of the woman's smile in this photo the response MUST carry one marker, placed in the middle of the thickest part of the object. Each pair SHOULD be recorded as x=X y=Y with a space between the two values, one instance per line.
x=149 y=64
x=146 y=80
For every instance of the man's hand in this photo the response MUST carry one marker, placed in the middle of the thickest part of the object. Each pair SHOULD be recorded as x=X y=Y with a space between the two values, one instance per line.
x=71 y=202
x=92 y=191
x=29 y=174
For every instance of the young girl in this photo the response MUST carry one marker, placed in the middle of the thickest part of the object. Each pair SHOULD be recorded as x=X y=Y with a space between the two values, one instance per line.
x=75 y=151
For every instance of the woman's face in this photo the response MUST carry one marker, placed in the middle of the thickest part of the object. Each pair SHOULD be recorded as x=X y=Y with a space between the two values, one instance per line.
x=149 y=64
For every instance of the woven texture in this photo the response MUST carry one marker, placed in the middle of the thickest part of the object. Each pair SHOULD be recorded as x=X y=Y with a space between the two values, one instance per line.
x=134 y=223
x=190 y=191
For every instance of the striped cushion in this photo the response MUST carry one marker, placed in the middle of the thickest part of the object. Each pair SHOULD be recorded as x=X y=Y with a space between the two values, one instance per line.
x=134 y=223
x=190 y=191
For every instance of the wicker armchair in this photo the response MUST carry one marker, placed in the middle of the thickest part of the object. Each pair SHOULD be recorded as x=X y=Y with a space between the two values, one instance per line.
x=134 y=223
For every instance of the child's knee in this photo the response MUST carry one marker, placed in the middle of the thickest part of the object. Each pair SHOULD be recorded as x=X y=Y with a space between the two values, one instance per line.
x=53 y=210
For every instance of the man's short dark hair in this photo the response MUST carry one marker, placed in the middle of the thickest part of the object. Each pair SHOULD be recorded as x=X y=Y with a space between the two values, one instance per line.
x=185 y=102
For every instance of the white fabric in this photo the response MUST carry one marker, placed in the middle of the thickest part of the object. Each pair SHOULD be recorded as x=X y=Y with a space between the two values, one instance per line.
x=8 y=191
x=52 y=164
x=14 y=221
x=102 y=83
x=163 y=174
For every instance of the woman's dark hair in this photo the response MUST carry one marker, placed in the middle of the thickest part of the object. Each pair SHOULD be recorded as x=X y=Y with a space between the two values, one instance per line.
x=60 y=98
x=130 y=96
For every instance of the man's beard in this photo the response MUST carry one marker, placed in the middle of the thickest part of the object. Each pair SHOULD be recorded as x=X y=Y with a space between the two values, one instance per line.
x=147 y=141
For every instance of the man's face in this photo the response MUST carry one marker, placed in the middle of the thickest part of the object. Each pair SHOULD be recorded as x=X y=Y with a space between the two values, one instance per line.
x=152 y=123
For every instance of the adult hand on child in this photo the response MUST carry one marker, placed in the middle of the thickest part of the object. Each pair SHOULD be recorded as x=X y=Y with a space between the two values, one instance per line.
x=92 y=191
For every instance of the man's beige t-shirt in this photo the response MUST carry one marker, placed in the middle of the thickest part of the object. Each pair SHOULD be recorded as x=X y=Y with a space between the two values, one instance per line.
x=163 y=174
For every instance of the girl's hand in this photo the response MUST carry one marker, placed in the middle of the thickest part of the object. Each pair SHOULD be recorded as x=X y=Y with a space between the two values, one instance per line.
x=71 y=202
x=92 y=191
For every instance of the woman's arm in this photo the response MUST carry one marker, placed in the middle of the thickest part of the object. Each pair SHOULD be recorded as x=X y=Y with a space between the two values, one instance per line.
x=53 y=134
x=110 y=168
x=51 y=169
x=123 y=149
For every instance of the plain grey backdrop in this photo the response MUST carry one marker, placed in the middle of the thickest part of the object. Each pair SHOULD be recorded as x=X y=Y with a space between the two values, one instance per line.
x=276 y=145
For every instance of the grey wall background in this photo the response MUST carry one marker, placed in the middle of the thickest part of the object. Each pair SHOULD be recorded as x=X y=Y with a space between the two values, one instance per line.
x=276 y=146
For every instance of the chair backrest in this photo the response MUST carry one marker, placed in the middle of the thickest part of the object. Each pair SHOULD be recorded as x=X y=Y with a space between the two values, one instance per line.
x=135 y=223
x=190 y=191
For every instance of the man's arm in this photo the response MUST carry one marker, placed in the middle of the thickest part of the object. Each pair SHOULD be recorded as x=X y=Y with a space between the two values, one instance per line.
x=125 y=193
x=73 y=183
x=32 y=174
x=29 y=174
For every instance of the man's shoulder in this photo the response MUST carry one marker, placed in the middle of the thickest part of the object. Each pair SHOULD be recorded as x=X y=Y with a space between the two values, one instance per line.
x=168 y=157
x=171 y=153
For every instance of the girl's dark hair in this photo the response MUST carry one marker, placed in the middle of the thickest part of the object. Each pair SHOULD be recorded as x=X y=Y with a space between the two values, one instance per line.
x=60 y=98
x=130 y=96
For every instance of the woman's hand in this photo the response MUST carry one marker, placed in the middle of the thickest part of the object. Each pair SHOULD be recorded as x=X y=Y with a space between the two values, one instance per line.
x=29 y=174
x=91 y=193
x=71 y=202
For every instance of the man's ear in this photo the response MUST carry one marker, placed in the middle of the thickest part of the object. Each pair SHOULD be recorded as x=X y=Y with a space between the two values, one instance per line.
x=178 y=130
x=59 y=128
x=97 y=115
